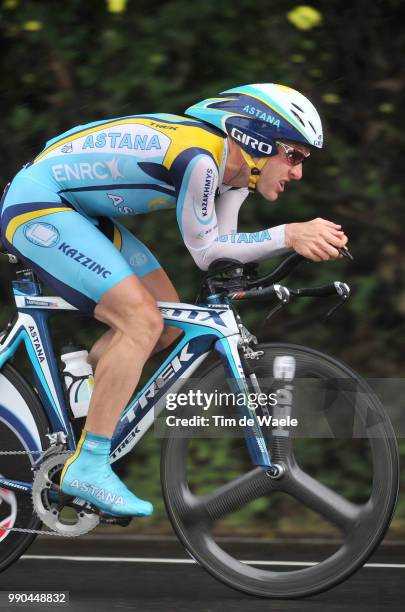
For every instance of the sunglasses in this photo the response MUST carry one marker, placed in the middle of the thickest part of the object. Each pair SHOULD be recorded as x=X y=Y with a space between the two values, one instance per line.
x=294 y=156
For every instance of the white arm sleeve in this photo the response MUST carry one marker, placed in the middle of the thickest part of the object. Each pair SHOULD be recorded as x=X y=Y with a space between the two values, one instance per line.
x=227 y=206
x=209 y=225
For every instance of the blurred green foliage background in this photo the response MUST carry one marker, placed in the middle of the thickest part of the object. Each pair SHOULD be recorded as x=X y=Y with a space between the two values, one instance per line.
x=69 y=63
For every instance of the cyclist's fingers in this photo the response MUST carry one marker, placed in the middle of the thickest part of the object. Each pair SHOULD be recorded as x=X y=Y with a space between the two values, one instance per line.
x=316 y=254
x=323 y=249
x=330 y=224
x=336 y=232
x=327 y=248
x=305 y=251
x=336 y=240
x=341 y=238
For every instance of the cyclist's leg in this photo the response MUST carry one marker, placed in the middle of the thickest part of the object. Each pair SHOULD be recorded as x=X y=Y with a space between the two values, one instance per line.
x=148 y=270
x=132 y=314
x=85 y=276
x=94 y=276
x=160 y=286
x=72 y=255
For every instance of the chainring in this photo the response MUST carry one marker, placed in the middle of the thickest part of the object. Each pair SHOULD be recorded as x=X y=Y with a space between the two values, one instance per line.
x=50 y=506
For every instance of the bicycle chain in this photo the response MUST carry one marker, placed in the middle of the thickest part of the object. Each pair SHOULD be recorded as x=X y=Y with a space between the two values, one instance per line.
x=36 y=531
x=32 y=531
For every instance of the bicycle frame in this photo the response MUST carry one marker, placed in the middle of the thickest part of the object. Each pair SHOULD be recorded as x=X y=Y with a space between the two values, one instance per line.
x=206 y=327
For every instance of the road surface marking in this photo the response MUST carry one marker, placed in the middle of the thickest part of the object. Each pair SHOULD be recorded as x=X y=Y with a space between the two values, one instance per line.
x=186 y=561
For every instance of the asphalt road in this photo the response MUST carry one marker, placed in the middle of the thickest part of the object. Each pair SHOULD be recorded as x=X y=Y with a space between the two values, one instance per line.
x=106 y=573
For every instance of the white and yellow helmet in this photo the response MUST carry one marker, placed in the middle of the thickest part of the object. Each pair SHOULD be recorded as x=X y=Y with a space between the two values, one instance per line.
x=254 y=116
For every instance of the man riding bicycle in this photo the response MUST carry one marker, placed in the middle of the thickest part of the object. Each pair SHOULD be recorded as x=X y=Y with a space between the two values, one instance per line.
x=58 y=216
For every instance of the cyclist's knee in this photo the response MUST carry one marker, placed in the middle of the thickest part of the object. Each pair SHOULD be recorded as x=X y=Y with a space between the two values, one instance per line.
x=148 y=321
x=130 y=309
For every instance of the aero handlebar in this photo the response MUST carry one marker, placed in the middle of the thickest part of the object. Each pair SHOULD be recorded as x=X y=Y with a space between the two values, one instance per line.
x=284 y=293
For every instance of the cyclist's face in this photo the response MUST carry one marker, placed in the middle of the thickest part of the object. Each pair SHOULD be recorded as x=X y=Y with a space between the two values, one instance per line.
x=275 y=175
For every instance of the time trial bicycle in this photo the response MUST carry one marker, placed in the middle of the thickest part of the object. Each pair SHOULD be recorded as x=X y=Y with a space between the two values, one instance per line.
x=37 y=434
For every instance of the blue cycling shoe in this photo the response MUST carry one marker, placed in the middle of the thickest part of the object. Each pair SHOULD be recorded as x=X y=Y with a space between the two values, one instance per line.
x=88 y=475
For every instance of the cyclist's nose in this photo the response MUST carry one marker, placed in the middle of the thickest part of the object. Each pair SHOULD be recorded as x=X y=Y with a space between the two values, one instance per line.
x=296 y=172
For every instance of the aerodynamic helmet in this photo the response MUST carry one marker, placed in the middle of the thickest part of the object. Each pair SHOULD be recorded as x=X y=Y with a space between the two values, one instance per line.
x=254 y=116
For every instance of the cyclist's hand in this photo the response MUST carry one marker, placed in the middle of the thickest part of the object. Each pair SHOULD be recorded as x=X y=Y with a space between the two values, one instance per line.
x=318 y=239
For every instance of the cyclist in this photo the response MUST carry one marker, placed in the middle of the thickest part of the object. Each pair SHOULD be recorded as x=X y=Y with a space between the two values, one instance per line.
x=58 y=216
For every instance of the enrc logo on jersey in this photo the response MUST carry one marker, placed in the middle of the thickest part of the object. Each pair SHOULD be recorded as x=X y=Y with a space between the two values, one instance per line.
x=41 y=234
x=117 y=140
x=99 y=170
x=247 y=140
x=261 y=115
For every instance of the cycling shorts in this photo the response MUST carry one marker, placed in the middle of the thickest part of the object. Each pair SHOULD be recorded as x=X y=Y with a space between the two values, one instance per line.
x=79 y=257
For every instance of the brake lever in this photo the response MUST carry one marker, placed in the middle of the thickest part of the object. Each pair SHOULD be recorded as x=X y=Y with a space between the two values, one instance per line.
x=283 y=295
x=274 y=310
x=343 y=291
x=346 y=253
x=334 y=308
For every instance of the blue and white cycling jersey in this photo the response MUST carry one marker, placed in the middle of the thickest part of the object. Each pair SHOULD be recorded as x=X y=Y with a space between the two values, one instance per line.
x=59 y=211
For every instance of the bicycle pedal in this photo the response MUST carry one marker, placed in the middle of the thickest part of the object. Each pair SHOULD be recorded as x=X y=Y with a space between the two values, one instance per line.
x=109 y=519
x=63 y=500
x=56 y=496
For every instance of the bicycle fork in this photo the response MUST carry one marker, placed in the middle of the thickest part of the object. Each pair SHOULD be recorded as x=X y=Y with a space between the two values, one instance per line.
x=227 y=348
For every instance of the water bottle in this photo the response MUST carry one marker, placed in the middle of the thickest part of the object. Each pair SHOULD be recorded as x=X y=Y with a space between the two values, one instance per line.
x=78 y=379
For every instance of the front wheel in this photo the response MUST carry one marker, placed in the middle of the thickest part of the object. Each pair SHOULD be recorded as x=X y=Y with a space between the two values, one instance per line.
x=343 y=475
x=23 y=427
